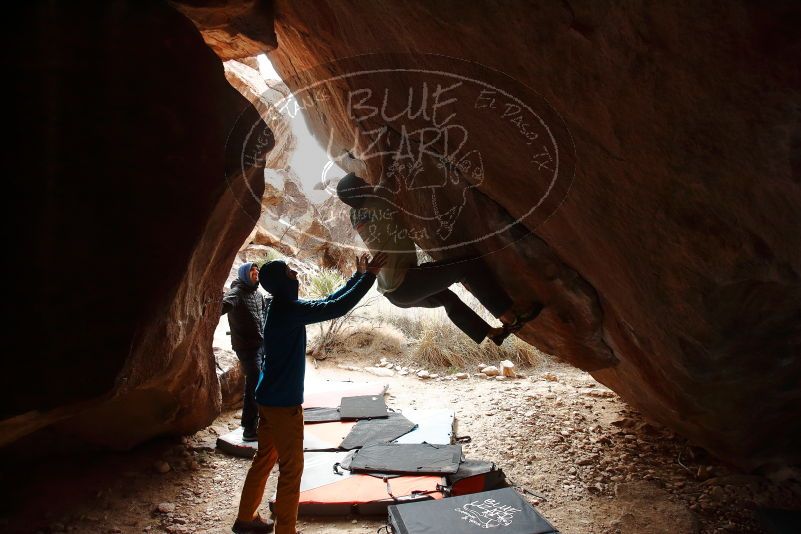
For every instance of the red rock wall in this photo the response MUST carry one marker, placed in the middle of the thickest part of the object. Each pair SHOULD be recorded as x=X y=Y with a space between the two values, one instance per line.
x=128 y=213
x=672 y=268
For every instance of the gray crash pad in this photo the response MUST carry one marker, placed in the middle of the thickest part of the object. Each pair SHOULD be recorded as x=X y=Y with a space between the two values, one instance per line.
x=231 y=443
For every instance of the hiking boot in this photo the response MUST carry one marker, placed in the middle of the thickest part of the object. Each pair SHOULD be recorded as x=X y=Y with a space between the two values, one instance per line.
x=256 y=525
x=250 y=434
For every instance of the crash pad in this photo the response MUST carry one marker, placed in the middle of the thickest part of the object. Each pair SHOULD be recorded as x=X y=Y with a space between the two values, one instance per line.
x=369 y=431
x=329 y=394
x=503 y=510
x=326 y=436
x=232 y=443
x=404 y=458
x=362 y=407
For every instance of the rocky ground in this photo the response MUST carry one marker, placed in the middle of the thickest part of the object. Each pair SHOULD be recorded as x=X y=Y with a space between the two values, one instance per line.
x=586 y=460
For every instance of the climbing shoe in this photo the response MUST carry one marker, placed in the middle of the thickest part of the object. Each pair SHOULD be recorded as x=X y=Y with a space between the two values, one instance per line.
x=523 y=318
x=499 y=338
x=517 y=325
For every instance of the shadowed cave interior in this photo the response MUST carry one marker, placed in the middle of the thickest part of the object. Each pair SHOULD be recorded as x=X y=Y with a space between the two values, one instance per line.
x=637 y=170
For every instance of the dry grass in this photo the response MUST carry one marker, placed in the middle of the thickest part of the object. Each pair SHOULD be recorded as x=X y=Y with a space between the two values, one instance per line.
x=420 y=337
x=365 y=340
x=435 y=342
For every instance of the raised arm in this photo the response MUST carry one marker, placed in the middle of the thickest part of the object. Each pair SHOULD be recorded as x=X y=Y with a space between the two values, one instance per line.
x=361 y=268
x=345 y=287
x=315 y=311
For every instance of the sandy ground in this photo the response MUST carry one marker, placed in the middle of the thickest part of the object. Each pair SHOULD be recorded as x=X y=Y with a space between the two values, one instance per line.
x=589 y=463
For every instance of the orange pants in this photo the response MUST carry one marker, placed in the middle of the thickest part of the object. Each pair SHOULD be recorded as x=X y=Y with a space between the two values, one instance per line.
x=280 y=438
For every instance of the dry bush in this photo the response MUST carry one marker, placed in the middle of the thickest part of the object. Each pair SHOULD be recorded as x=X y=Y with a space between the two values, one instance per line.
x=366 y=340
x=269 y=255
x=319 y=283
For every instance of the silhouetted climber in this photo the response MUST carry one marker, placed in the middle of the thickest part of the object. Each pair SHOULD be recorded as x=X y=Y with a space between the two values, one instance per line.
x=280 y=390
x=408 y=285
x=246 y=309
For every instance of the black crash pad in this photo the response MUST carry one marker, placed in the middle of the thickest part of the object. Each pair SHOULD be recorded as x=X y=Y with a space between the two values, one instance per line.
x=502 y=510
x=320 y=415
x=475 y=476
x=362 y=407
x=404 y=459
x=369 y=431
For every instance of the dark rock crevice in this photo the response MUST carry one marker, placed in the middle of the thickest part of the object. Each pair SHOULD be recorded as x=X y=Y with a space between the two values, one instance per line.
x=136 y=208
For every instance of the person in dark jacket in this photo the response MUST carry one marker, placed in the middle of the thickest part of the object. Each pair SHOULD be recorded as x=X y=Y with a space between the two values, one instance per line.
x=280 y=389
x=408 y=285
x=247 y=309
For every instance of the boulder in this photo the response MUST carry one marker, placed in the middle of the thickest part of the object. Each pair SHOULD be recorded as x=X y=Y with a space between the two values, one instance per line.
x=633 y=167
x=667 y=245
x=143 y=181
x=232 y=380
x=267 y=96
x=234 y=29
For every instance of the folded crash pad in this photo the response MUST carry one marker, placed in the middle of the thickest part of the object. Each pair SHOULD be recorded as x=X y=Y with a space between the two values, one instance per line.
x=404 y=458
x=320 y=415
x=502 y=510
x=369 y=431
x=329 y=394
x=323 y=492
x=362 y=407
x=475 y=476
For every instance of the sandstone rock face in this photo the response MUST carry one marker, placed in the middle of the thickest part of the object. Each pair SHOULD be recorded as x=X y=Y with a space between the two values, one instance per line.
x=137 y=196
x=233 y=29
x=291 y=223
x=266 y=96
x=670 y=261
x=320 y=234
x=668 y=257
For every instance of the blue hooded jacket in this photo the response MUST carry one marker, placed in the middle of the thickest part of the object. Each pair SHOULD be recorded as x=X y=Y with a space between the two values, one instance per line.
x=281 y=379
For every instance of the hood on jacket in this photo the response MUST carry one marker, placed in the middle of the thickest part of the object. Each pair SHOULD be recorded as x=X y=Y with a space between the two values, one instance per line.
x=273 y=278
x=244 y=274
x=352 y=190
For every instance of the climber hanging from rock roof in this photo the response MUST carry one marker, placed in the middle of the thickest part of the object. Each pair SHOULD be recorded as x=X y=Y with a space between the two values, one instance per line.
x=408 y=285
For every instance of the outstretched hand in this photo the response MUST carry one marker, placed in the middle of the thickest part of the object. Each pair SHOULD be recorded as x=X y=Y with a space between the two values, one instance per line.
x=379 y=260
x=361 y=263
